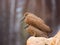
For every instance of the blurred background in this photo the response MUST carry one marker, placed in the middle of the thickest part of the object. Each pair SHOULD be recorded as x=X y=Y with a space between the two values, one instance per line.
x=12 y=31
